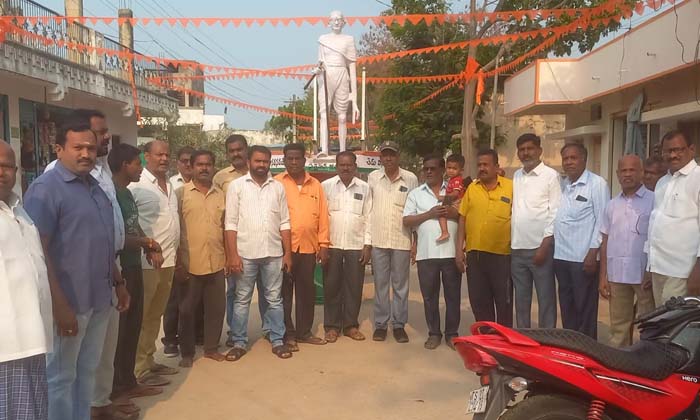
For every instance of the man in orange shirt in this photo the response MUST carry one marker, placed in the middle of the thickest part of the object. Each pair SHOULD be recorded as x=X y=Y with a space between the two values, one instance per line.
x=308 y=215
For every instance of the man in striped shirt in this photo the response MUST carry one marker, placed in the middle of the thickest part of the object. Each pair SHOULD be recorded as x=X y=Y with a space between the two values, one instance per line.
x=391 y=242
x=577 y=239
x=258 y=243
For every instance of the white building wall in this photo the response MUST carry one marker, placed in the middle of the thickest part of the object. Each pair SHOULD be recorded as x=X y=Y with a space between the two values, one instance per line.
x=520 y=89
x=649 y=51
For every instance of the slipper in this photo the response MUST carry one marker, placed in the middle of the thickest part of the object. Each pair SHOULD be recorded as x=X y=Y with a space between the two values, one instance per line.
x=331 y=336
x=152 y=380
x=355 y=334
x=126 y=407
x=292 y=345
x=282 y=352
x=138 y=391
x=318 y=341
x=159 y=369
x=216 y=356
x=235 y=354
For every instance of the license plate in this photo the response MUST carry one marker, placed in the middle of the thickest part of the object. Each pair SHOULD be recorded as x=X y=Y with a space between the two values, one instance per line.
x=477 y=400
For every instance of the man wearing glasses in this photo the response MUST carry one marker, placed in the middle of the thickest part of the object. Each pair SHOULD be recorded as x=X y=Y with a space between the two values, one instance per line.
x=171 y=316
x=674 y=232
x=622 y=257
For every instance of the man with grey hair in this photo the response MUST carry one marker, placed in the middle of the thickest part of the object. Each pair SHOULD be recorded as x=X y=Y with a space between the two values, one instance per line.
x=577 y=241
x=622 y=258
x=27 y=325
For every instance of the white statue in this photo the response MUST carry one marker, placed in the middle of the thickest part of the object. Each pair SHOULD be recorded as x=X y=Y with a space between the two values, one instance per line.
x=337 y=55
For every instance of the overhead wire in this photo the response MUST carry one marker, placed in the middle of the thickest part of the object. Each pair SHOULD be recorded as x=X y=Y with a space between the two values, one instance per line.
x=215 y=43
x=153 y=12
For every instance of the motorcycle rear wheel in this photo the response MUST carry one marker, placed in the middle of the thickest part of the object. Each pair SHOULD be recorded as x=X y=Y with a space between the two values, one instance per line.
x=548 y=407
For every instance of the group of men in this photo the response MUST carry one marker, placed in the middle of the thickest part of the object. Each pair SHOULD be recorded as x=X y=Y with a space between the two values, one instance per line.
x=636 y=250
x=103 y=248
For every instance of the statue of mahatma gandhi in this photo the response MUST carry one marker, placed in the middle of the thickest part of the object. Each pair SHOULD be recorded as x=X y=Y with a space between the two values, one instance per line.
x=338 y=55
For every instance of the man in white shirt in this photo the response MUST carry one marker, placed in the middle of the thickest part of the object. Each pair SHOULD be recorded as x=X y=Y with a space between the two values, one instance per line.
x=577 y=239
x=158 y=217
x=171 y=316
x=258 y=243
x=349 y=204
x=674 y=232
x=184 y=168
x=27 y=325
x=436 y=260
x=536 y=198
x=391 y=242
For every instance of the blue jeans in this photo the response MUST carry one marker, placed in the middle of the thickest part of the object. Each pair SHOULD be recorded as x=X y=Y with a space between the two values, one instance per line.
x=71 y=367
x=391 y=271
x=230 y=296
x=270 y=272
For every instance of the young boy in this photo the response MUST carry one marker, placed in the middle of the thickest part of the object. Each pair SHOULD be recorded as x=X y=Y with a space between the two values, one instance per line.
x=454 y=191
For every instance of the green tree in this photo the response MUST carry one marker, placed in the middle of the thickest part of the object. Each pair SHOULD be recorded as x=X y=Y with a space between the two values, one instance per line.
x=282 y=124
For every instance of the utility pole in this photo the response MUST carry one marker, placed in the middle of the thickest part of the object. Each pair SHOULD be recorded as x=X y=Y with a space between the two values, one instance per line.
x=294 y=117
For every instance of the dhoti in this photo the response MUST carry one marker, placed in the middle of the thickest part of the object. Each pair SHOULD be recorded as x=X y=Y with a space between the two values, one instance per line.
x=337 y=81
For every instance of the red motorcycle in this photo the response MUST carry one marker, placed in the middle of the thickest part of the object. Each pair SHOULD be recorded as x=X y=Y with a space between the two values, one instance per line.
x=565 y=375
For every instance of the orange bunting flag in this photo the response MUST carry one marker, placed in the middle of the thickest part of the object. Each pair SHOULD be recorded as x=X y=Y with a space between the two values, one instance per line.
x=479 y=87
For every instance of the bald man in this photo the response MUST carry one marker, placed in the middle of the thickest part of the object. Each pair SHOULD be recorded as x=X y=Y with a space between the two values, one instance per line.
x=158 y=217
x=26 y=327
x=622 y=258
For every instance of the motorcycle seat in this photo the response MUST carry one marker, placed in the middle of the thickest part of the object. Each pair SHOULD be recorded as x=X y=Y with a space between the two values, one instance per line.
x=647 y=359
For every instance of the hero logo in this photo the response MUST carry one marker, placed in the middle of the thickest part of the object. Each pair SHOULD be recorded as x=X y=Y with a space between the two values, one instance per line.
x=692 y=379
x=567 y=355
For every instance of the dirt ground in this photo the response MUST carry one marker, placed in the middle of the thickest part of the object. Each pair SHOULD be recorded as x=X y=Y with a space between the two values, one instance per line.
x=345 y=380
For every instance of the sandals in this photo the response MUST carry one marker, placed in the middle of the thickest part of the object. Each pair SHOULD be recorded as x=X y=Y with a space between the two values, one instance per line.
x=282 y=352
x=292 y=345
x=331 y=336
x=235 y=354
x=312 y=339
x=152 y=380
x=355 y=334
x=159 y=369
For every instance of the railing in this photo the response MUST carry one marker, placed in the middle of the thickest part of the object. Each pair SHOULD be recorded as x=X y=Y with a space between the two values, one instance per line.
x=38 y=31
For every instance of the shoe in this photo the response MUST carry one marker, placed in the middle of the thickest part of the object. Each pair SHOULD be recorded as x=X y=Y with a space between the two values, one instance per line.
x=448 y=341
x=186 y=362
x=433 y=342
x=171 y=350
x=400 y=335
x=379 y=334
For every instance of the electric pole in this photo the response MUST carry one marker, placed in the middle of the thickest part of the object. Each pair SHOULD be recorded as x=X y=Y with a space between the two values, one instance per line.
x=294 y=117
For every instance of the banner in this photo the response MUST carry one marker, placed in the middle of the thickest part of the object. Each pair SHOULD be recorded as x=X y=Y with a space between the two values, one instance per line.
x=389 y=20
x=367 y=161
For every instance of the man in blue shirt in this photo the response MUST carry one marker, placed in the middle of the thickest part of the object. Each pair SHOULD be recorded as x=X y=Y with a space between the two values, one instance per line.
x=577 y=239
x=436 y=261
x=75 y=221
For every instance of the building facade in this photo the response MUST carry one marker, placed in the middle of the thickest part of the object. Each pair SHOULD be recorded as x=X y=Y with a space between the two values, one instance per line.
x=41 y=82
x=652 y=67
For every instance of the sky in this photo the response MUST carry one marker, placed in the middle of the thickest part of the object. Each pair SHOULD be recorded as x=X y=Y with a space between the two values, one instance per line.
x=254 y=47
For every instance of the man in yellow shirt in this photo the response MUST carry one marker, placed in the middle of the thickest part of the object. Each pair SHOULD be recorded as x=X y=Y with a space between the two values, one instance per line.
x=485 y=220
